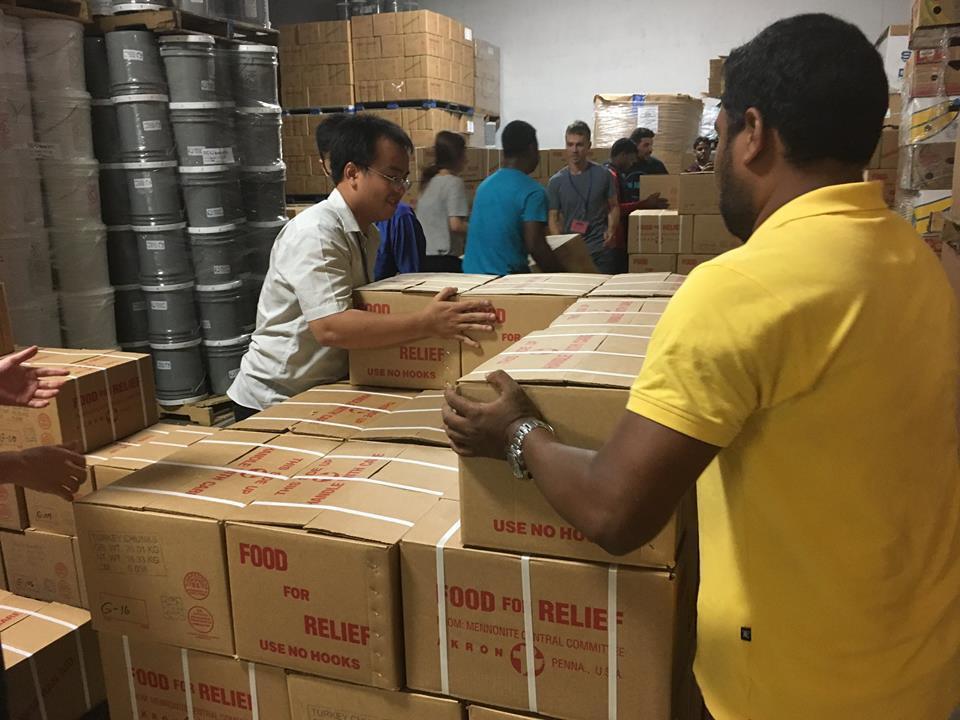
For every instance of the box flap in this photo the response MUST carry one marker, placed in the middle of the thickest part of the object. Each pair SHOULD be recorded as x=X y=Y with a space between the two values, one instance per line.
x=417 y=420
x=640 y=285
x=591 y=312
x=566 y=284
x=427 y=282
x=39 y=625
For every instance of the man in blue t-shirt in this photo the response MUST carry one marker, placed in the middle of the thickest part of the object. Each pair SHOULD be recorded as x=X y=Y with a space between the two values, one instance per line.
x=509 y=218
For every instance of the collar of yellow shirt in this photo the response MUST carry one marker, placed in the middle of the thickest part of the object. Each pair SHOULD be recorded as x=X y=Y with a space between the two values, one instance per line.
x=829 y=200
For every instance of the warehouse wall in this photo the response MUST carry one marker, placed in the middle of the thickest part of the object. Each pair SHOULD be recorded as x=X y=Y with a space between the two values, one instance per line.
x=557 y=54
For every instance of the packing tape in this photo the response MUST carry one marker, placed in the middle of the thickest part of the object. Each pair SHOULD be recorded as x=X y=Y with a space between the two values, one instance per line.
x=221 y=468
x=540 y=371
x=39 y=616
x=581 y=335
x=399 y=428
x=574 y=352
x=41 y=705
x=188 y=694
x=604 y=312
x=254 y=418
x=421 y=463
x=612 y=678
x=241 y=443
x=335 y=508
x=378 y=394
x=528 y=633
x=83 y=671
x=185 y=496
x=442 y=608
x=254 y=701
x=566 y=326
x=349 y=406
x=83 y=424
x=130 y=687
x=431 y=396
x=369 y=481
x=420 y=410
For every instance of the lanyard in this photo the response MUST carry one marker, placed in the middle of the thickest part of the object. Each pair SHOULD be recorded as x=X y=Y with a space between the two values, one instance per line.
x=585 y=200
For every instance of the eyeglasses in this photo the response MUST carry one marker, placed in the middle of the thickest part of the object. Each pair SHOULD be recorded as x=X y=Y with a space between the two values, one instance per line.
x=399 y=183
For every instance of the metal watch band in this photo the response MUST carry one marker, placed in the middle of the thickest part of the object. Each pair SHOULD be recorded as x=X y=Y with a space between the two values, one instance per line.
x=515 y=449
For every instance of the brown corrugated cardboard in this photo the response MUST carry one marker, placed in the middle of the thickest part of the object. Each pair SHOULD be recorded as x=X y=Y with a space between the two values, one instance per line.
x=572 y=253
x=107 y=396
x=934 y=14
x=150 y=680
x=699 y=194
x=651 y=262
x=887 y=154
x=646 y=285
x=366 y=48
x=315 y=699
x=423 y=365
x=478 y=712
x=578 y=372
x=43 y=566
x=579 y=617
x=632 y=316
x=686 y=263
x=6 y=329
x=417 y=420
x=315 y=33
x=391 y=46
x=321 y=552
x=385 y=24
x=557 y=161
x=52 y=661
x=667 y=186
x=13 y=507
x=139 y=536
x=418 y=21
x=361 y=26
x=524 y=303
x=711 y=237
x=659 y=231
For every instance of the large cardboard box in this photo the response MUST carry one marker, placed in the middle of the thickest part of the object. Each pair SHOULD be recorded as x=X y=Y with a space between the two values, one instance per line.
x=564 y=639
x=887 y=154
x=711 y=237
x=668 y=187
x=315 y=33
x=44 y=566
x=929 y=166
x=422 y=365
x=699 y=194
x=934 y=14
x=572 y=252
x=659 y=231
x=139 y=537
x=6 y=328
x=150 y=680
x=479 y=712
x=894 y=48
x=52 y=661
x=313 y=698
x=578 y=373
x=646 y=285
x=321 y=552
x=418 y=420
x=107 y=465
x=652 y=262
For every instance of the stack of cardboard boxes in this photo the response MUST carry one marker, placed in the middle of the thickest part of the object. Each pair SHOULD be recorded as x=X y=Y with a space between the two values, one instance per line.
x=487 y=78
x=316 y=65
x=715 y=79
x=684 y=236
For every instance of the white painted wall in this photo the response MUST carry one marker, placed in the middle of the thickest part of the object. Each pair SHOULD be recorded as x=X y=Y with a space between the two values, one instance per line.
x=557 y=54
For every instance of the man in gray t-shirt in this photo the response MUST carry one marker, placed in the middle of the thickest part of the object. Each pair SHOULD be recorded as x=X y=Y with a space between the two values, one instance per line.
x=583 y=200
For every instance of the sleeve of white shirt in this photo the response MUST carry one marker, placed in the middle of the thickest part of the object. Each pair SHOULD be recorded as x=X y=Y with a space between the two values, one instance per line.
x=318 y=268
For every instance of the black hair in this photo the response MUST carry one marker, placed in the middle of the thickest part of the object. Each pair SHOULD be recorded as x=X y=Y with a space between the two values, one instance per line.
x=327 y=130
x=448 y=148
x=579 y=127
x=623 y=145
x=802 y=74
x=702 y=139
x=517 y=137
x=641 y=133
x=356 y=142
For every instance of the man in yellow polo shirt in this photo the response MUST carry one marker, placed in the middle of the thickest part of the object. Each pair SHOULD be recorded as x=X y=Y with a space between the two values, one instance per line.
x=808 y=379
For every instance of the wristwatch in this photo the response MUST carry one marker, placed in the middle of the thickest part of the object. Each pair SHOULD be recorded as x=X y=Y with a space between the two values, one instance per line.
x=515 y=447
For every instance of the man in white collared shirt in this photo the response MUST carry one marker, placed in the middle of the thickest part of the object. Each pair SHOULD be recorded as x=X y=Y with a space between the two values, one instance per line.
x=306 y=321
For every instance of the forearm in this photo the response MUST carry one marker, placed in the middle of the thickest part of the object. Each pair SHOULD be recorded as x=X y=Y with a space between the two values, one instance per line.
x=613 y=218
x=555 y=224
x=11 y=465
x=362 y=330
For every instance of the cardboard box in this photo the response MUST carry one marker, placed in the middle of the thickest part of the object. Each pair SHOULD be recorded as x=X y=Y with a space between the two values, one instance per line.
x=391 y=46
x=887 y=154
x=557 y=161
x=418 y=21
x=423 y=365
x=933 y=79
x=423 y=44
x=321 y=552
x=659 y=231
x=13 y=507
x=667 y=186
x=315 y=33
x=711 y=237
x=107 y=396
x=417 y=420
x=930 y=120
x=888 y=178
x=314 y=698
x=361 y=26
x=6 y=329
x=366 y=48
x=139 y=536
x=928 y=167
x=334 y=54
x=894 y=48
x=699 y=194
x=652 y=262
x=580 y=382
x=934 y=14
x=926 y=209
x=648 y=285
x=44 y=566
x=51 y=657
x=580 y=615
x=147 y=680
x=478 y=712
x=385 y=24
x=572 y=252
x=329 y=97
x=686 y=263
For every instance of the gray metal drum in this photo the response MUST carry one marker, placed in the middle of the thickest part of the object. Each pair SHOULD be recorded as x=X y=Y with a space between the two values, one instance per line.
x=154 y=192
x=144 y=125
x=171 y=312
x=224 y=64
x=103 y=114
x=191 y=67
x=114 y=196
x=204 y=134
x=123 y=257
x=130 y=306
x=252 y=285
x=216 y=254
x=258 y=242
x=136 y=347
x=80 y=258
x=212 y=195
x=258 y=136
x=197 y=7
x=263 y=193
x=164 y=258
x=255 y=75
x=221 y=311
x=95 y=67
x=178 y=371
x=223 y=362
x=134 y=63
x=137 y=6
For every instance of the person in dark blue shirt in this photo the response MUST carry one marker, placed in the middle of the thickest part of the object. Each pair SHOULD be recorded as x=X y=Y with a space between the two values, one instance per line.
x=403 y=245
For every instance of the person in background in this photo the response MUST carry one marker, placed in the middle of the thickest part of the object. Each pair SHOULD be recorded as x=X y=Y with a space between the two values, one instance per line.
x=402 y=245
x=443 y=206
x=623 y=156
x=805 y=383
x=306 y=321
x=703 y=147
x=510 y=212
x=583 y=200
x=647 y=164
